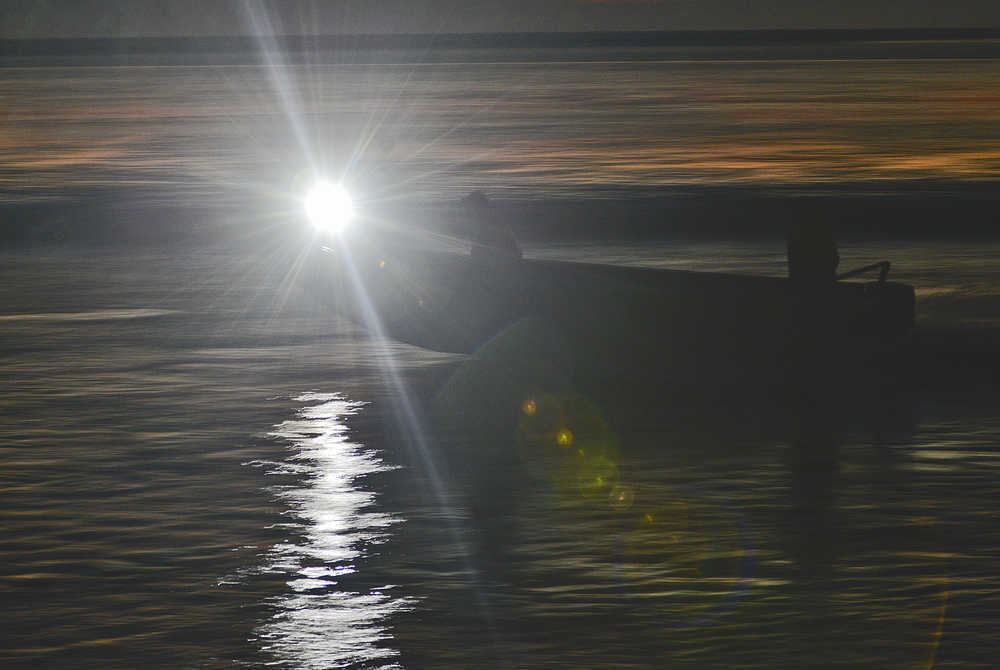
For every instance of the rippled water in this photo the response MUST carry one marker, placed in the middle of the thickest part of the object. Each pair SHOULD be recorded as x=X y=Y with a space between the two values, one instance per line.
x=322 y=621
x=201 y=469
x=533 y=124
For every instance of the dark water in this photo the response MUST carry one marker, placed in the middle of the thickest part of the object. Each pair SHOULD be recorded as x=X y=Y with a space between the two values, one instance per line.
x=201 y=469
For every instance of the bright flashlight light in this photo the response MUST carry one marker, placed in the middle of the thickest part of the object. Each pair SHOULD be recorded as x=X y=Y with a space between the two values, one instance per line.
x=329 y=206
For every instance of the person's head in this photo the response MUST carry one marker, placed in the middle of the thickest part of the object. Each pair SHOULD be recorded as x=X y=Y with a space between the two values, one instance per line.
x=475 y=205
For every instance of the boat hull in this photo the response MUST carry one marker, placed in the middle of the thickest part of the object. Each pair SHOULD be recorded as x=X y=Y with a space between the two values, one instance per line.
x=611 y=321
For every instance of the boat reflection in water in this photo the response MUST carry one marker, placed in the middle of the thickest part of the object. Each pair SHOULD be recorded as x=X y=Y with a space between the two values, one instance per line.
x=661 y=527
x=321 y=623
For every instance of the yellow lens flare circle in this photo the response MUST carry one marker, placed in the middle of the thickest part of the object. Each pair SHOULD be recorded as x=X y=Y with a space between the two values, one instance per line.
x=596 y=477
x=329 y=207
x=621 y=497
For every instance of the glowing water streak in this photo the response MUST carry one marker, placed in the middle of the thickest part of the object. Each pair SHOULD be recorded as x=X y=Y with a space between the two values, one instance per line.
x=322 y=624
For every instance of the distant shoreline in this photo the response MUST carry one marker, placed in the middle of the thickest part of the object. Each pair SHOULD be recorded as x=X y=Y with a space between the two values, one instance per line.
x=902 y=43
x=935 y=210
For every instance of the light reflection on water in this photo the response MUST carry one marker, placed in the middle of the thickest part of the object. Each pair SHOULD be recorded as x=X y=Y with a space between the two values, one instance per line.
x=321 y=623
x=125 y=500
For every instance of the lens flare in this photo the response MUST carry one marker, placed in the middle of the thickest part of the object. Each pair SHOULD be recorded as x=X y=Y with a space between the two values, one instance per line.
x=329 y=206
x=621 y=497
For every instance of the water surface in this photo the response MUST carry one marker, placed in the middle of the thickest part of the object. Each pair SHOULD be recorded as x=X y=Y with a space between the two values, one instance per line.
x=200 y=467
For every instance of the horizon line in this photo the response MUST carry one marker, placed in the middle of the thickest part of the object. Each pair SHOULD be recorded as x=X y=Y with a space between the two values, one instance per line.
x=846 y=34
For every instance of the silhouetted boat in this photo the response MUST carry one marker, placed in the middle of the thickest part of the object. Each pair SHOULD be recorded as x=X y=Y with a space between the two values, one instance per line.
x=609 y=321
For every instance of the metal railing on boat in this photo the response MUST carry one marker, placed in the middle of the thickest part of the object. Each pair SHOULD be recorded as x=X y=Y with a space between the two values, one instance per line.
x=881 y=266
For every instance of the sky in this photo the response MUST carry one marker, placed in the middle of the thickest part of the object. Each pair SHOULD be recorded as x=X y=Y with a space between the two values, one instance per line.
x=139 y=18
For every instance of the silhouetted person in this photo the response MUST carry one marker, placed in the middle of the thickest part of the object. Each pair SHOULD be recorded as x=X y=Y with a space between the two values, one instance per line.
x=812 y=255
x=491 y=239
x=812 y=272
